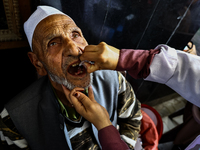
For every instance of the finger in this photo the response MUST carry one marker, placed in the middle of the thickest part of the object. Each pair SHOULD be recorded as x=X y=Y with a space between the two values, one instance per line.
x=90 y=53
x=74 y=91
x=91 y=94
x=90 y=48
x=77 y=89
x=91 y=67
x=67 y=92
x=102 y=43
x=82 y=98
x=80 y=108
x=90 y=56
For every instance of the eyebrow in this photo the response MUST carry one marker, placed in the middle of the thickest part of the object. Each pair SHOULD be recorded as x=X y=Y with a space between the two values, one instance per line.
x=76 y=28
x=50 y=37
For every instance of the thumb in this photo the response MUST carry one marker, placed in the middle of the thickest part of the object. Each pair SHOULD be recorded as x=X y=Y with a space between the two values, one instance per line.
x=76 y=103
x=82 y=99
x=91 y=94
x=91 y=67
x=80 y=102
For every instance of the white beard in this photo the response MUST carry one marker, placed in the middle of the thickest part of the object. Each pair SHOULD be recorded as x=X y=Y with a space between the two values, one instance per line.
x=67 y=83
x=64 y=81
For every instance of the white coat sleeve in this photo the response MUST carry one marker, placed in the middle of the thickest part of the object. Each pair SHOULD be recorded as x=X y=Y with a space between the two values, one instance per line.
x=178 y=70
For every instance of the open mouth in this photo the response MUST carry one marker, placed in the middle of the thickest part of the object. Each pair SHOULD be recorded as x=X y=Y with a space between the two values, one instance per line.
x=77 y=70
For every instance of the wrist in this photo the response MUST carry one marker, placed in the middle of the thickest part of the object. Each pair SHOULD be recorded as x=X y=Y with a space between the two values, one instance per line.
x=103 y=125
x=115 y=58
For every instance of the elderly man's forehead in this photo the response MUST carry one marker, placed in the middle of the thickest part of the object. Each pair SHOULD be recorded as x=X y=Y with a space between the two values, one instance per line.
x=51 y=22
x=56 y=18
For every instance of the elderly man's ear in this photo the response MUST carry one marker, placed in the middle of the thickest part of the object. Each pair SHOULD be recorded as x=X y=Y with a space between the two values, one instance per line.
x=38 y=65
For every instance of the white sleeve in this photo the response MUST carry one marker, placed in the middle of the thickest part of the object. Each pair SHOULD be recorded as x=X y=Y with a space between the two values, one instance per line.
x=178 y=70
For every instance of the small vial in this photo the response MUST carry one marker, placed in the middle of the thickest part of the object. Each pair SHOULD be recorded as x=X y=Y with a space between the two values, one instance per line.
x=81 y=63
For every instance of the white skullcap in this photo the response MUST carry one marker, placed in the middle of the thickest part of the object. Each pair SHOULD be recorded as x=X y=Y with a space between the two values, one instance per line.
x=41 y=13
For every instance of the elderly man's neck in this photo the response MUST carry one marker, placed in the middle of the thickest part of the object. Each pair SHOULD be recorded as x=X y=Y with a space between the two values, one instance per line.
x=60 y=93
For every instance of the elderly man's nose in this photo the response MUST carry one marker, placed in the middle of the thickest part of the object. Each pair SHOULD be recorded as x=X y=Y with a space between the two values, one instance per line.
x=73 y=49
x=80 y=50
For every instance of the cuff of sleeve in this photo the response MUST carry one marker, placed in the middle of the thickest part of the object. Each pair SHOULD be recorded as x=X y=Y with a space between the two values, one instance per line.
x=163 y=65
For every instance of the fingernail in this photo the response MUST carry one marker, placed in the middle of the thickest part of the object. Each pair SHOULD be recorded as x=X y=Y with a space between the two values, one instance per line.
x=76 y=95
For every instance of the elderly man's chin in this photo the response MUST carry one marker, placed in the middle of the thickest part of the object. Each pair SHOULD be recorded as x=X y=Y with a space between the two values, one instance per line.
x=83 y=83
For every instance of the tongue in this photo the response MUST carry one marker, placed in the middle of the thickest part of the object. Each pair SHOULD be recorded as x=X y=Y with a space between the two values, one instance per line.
x=79 y=71
x=76 y=70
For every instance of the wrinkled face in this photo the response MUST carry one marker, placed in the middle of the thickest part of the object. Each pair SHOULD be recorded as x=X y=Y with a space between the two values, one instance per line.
x=58 y=43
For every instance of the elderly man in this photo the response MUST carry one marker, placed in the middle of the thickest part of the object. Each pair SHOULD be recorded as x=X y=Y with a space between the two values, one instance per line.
x=42 y=117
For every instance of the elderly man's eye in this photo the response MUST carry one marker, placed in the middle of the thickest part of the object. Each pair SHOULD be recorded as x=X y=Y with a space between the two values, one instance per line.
x=75 y=35
x=52 y=44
